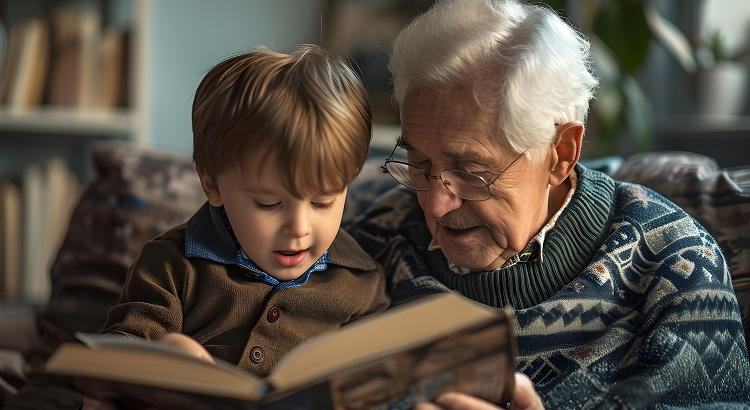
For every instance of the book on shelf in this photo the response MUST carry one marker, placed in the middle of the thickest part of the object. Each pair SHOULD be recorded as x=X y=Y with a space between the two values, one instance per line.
x=401 y=357
x=113 y=68
x=13 y=46
x=48 y=192
x=74 y=73
x=35 y=284
x=10 y=239
x=31 y=70
x=62 y=190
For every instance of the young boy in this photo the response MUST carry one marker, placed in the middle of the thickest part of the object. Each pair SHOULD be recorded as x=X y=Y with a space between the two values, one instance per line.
x=262 y=266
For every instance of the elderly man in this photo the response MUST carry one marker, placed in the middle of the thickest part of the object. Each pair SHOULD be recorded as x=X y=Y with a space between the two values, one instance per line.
x=621 y=298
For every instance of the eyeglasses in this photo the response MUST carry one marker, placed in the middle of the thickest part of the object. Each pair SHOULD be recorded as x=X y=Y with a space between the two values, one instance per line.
x=464 y=185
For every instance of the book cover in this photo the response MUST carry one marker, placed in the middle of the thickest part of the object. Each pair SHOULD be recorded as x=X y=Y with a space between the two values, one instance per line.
x=406 y=355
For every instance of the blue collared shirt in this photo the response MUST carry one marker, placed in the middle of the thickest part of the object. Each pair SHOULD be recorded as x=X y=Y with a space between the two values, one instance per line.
x=208 y=235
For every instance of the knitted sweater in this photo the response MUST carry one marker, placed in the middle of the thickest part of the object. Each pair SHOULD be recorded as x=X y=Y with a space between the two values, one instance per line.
x=630 y=306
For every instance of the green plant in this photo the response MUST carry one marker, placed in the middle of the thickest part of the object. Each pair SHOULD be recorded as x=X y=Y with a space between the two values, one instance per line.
x=715 y=50
x=621 y=33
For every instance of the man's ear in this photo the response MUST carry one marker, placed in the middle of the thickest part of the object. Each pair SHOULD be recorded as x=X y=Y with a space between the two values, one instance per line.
x=567 y=151
x=210 y=188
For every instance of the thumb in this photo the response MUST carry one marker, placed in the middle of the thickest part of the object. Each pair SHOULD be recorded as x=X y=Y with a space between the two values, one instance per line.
x=524 y=395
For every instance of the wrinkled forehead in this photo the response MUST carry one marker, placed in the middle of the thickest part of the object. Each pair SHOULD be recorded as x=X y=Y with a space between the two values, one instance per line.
x=451 y=123
x=452 y=150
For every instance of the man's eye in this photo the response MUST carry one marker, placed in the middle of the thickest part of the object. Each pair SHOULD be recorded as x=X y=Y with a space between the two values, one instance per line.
x=322 y=205
x=267 y=207
x=477 y=172
x=414 y=157
x=420 y=163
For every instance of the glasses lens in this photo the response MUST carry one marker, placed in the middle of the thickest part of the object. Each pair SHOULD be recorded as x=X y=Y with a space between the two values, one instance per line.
x=465 y=185
x=408 y=175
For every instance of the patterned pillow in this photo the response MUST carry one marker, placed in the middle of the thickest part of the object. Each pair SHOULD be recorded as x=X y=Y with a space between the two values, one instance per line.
x=137 y=194
x=718 y=199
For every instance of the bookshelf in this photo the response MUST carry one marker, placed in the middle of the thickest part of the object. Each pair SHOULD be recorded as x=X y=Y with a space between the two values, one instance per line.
x=71 y=73
x=85 y=116
x=172 y=43
x=116 y=124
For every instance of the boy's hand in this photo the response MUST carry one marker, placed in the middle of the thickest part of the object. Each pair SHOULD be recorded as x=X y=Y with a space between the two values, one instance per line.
x=187 y=344
x=182 y=342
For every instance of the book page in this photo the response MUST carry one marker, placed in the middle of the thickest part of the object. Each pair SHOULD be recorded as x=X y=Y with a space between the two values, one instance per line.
x=147 y=363
x=415 y=324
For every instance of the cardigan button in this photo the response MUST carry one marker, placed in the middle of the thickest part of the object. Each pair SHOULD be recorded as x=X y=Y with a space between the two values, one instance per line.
x=256 y=354
x=273 y=314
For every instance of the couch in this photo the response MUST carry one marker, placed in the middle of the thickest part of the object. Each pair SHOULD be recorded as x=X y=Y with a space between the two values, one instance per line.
x=139 y=192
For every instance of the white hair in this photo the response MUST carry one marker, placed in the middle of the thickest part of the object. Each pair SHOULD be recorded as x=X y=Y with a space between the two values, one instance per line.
x=541 y=67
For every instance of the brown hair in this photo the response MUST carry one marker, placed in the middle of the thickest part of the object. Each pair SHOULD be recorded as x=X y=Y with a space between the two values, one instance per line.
x=307 y=111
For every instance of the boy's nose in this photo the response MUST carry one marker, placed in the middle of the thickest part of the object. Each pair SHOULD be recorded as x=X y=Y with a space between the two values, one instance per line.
x=298 y=225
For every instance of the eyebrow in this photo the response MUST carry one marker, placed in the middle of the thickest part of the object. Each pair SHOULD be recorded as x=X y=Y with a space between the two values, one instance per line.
x=469 y=155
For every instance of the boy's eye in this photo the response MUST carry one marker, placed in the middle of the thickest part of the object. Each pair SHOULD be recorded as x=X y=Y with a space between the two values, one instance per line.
x=322 y=205
x=267 y=207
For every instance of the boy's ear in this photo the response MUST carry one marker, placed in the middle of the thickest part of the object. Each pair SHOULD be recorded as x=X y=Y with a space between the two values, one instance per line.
x=567 y=151
x=209 y=188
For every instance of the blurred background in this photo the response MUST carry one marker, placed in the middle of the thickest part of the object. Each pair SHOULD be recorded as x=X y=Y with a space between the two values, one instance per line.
x=674 y=76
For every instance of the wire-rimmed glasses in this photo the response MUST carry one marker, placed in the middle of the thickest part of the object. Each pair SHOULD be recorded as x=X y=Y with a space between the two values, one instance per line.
x=464 y=185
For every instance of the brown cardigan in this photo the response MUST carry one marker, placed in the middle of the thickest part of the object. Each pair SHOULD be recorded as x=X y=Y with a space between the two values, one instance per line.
x=235 y=317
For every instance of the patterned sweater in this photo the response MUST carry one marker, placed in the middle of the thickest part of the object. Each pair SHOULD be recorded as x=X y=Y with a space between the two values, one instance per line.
x=631 y=305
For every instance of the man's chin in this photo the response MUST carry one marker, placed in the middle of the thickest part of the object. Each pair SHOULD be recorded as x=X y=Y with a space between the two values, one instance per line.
x=464 y=250
x=463 y=262
x=469 y=260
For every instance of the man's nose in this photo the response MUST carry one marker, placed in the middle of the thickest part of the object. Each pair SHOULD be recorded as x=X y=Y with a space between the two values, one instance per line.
x=298 y=223
x=438 y=200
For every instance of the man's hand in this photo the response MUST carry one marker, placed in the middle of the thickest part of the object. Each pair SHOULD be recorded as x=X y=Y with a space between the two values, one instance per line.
x=524 y=398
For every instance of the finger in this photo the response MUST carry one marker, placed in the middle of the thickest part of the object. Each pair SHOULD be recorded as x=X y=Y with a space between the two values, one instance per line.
x=427 y=406
x=524 y=395
x=94 y=404
x=460 y=401
x=186 y=344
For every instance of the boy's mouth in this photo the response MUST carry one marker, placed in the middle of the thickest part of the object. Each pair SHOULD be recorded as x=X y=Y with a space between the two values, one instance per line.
x=289 y=258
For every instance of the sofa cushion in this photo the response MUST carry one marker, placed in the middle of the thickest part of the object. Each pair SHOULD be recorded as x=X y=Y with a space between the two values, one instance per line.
x=137 y=193
x=717 y=198
x=365 y=189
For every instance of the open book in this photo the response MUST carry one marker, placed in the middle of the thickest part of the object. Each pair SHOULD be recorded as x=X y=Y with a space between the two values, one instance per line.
x=406 y=355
